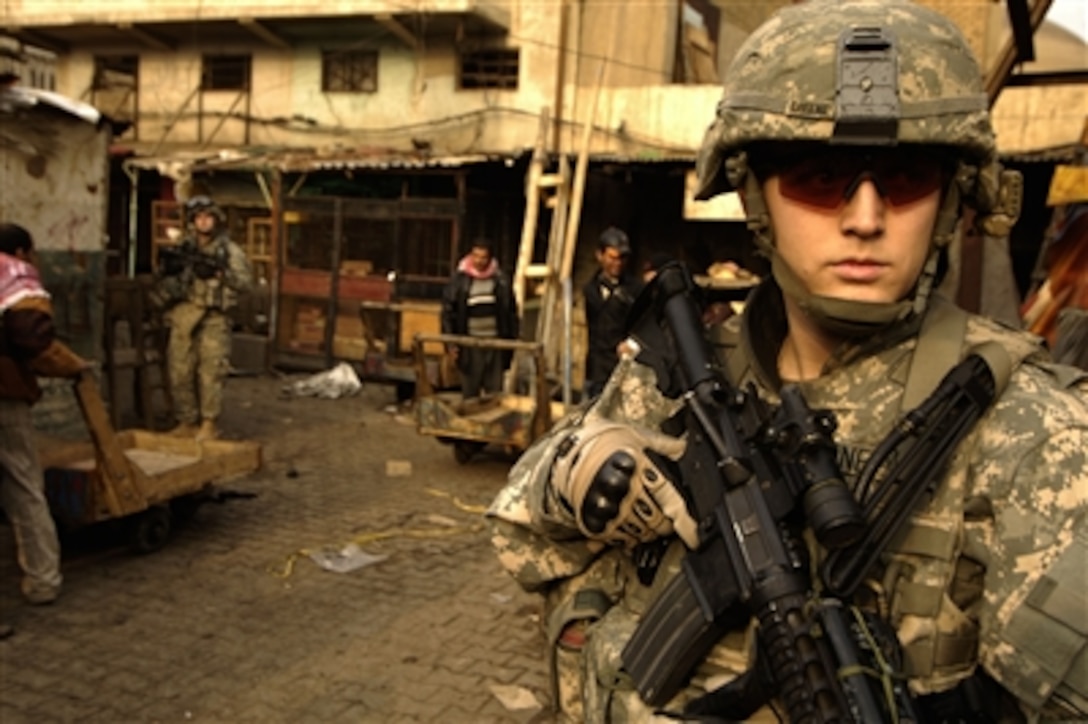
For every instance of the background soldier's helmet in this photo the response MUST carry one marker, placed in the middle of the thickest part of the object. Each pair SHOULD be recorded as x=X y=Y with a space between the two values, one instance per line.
x=198 y=204
x=869 y=72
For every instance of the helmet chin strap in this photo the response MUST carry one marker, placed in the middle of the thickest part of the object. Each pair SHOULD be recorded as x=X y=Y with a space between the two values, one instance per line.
x=849 y=318
x=844 y=317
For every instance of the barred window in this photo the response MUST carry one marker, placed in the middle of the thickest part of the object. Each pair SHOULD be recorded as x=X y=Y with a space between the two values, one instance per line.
x=115 y=72
x=225 y=72
x=490 y=68
x=349 y=71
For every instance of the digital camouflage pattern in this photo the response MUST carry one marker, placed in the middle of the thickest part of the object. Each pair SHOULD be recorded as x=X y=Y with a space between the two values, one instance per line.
x=868 y=73
x=198 y=353
x=783 y=83
x=990 y=572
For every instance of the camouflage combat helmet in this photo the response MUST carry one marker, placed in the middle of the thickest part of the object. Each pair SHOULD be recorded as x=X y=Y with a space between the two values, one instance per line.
x=868 y=73
x=201 y=203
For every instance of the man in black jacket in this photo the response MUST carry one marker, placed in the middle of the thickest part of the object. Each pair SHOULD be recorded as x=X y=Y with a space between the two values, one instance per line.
x=479 y=302
x=609 y=296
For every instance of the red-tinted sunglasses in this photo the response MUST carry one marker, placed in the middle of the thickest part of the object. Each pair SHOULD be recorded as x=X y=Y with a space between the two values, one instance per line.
x=827 y=178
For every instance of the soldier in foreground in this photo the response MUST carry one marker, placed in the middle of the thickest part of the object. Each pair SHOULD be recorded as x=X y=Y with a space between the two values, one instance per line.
x=855 y=132
x=199 y=284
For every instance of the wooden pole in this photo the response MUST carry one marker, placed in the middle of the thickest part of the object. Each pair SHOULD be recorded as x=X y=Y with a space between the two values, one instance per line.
x=578 y=191
x=532 y=211
x=1002 y=68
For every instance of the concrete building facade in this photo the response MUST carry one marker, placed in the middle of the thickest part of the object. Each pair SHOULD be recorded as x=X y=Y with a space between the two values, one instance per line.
x=385 y=134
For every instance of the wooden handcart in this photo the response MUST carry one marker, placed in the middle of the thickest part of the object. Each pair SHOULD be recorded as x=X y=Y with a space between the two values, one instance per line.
x=507 y=419
x=140 y=477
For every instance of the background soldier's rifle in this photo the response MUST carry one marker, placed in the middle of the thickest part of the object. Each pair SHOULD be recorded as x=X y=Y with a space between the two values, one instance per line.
x=754 y=477
x=174 y=260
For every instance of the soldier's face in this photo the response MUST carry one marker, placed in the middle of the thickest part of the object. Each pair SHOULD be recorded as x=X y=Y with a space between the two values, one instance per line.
x=868 y=243
x=204 y=222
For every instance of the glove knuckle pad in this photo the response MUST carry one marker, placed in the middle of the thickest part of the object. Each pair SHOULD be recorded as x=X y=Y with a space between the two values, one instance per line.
x=610 y=481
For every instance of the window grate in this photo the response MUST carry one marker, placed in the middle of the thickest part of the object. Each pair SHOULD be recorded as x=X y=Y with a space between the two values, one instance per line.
x=349 y=71
x=115 y=71
x=225 y=72
x=491 y=68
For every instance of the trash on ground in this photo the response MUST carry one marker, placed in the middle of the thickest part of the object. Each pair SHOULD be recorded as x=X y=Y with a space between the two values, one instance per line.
x=398 y=468
x=440 y=520
x=349 y=558
x=514 y=698
x=501 y=598
x=340 y=381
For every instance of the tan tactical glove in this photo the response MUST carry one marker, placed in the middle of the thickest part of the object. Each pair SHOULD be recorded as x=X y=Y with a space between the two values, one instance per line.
x=617 y=493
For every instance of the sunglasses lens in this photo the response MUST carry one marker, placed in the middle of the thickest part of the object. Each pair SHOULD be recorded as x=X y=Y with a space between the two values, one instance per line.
x=817 y=182
x=826 y=180
x=905 y=179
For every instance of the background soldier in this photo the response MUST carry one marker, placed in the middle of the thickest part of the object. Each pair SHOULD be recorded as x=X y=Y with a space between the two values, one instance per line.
x=199 y=283
x=28 y=348
x=855 y=130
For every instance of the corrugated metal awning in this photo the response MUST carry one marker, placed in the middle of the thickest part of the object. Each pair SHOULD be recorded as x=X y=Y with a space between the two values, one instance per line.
x=304 y=161
x=295 y=162
x=17 y=96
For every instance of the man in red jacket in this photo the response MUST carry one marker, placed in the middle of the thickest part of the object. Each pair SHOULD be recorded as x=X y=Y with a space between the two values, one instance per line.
x=28 y=349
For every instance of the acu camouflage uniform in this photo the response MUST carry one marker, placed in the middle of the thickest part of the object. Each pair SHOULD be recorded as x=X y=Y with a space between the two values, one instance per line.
x=198 y=353
x=991 y=572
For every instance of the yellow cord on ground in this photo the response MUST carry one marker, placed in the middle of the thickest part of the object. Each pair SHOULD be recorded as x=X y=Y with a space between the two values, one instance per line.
x=371 y=537
x=478 y=509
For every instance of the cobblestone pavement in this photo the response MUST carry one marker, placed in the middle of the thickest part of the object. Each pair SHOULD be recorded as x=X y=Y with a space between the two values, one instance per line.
x=218 y=626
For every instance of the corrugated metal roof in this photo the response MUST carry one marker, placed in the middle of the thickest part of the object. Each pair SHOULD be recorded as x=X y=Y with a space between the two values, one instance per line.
x=24 y=97
x=304 y=160
x=301 y=161
x=644 y=157
x=296 y=162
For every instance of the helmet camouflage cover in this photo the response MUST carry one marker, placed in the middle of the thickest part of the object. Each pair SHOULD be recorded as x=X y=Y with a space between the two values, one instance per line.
x=874 y=72
x=862 y=73
x=202 y=204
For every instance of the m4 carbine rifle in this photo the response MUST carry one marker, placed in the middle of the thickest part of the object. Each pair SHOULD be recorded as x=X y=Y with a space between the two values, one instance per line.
x=754 y=478
x=176 y=259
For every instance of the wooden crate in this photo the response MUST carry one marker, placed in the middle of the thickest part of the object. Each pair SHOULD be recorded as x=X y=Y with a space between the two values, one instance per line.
x=420 y=317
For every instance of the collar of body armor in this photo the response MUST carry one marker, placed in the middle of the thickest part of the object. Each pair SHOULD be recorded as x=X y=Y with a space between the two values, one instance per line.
x=764 y=327
x=216 y=238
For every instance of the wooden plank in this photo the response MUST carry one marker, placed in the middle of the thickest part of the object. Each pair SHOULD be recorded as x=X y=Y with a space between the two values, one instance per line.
x=553 y=291
x=421 y=321
x=59 y=453
x=154 y=462
x=196 y=476
x=305 y=283
x=1007 y=58
x=122 y=491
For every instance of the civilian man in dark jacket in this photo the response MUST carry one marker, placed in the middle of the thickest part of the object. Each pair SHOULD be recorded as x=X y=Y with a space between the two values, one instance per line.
x=479 y=302
x=28 y=349
x=609 y=296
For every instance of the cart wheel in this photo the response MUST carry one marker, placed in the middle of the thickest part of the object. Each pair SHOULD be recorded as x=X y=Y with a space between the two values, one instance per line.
x=463 y=450
x=183 y=508
x=149 y=530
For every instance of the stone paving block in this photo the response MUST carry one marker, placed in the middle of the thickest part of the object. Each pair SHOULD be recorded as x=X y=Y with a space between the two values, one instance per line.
x=207 y=625
x=26 y=701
